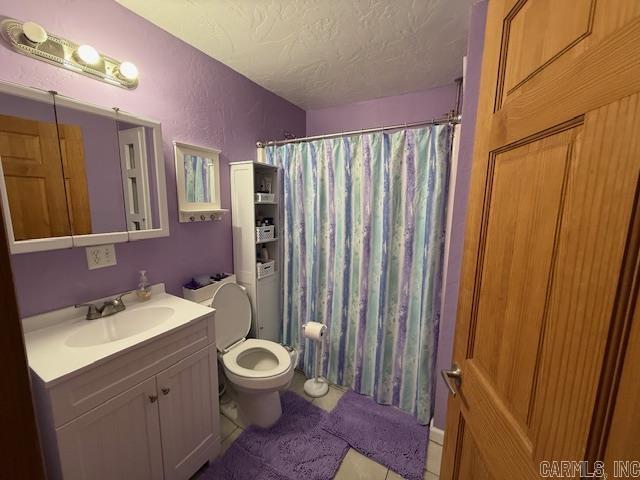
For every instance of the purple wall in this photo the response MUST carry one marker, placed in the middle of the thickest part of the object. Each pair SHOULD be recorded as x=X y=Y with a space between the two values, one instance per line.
x=197 y=99
x=407 y=108
x=465 y=152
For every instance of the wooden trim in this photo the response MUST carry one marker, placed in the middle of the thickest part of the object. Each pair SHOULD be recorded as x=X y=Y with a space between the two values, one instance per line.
x=617 y=341
x=21 y=446
x=504 y=47
x=458 y=450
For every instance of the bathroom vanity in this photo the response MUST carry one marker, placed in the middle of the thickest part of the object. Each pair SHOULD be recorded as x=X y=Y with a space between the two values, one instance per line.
x=129 y=396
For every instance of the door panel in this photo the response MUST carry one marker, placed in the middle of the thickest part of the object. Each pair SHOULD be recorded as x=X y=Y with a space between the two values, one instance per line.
x=33 y=178
x=517 y=255
x=554 y=180
x=538 y=32
x=119 y=439
x=189 y=413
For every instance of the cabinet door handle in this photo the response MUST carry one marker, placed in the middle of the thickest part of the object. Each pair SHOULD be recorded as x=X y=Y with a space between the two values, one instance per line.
x=153 y=398
x=165 y=391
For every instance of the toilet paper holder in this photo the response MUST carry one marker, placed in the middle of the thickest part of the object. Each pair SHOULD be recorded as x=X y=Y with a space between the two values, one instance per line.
x=315 y=332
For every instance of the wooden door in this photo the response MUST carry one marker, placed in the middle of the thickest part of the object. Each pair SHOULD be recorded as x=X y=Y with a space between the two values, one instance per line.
x=551 y=238
x=117 y=440
x=33 y=178
x=75 y=178
x=189 y=413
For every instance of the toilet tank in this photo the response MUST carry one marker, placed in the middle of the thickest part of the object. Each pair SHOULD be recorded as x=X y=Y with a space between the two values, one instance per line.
x=205 y=294
x=266 y=323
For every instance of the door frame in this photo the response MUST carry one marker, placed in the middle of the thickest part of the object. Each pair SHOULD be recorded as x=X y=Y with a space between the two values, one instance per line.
x=23 y=456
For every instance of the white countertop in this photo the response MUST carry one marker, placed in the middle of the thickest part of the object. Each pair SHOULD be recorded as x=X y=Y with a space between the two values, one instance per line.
x=53 y=360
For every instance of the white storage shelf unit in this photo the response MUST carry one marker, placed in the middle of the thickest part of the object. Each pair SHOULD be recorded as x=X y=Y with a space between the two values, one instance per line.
x=262 y=281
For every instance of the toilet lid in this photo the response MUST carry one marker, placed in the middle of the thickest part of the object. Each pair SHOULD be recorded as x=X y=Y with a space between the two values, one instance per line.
x=233 y=315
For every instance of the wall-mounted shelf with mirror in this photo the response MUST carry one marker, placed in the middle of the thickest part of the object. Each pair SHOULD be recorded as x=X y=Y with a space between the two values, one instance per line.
x=74 y=174
x=197 y=183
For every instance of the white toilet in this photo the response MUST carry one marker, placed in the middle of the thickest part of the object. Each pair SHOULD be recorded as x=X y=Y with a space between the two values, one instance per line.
x=256 y=369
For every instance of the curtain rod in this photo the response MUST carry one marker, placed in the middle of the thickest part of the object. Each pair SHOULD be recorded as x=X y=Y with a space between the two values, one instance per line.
x=450 y=118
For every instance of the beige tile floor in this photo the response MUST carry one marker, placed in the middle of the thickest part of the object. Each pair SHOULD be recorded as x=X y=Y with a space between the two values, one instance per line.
x=354 y=466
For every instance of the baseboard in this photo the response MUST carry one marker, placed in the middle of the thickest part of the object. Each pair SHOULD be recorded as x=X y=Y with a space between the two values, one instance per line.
x=436 y=435
x=434 y=452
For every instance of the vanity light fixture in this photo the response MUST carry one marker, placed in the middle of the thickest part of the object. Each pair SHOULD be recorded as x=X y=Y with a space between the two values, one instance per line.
x=34 y=41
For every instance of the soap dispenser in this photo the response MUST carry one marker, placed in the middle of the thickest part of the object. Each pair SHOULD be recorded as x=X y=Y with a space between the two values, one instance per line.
x=144 y=288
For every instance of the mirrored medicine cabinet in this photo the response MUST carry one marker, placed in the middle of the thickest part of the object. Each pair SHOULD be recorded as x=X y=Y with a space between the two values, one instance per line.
x=74 y=174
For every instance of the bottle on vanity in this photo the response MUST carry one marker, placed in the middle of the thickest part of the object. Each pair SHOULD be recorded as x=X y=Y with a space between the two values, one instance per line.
x=144 y=287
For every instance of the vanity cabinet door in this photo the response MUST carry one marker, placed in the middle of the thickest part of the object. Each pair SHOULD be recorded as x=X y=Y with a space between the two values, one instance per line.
x=189 y=420
x=117 y=440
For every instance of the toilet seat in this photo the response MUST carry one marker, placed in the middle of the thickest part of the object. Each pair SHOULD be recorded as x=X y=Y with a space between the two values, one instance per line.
x=262 y=353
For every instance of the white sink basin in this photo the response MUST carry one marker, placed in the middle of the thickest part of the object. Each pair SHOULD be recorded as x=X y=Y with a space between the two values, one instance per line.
x=119 y=326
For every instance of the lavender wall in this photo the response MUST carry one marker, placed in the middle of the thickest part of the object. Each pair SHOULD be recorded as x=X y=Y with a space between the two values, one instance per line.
x=465 y=152
x=411 y=107
x=197 y=99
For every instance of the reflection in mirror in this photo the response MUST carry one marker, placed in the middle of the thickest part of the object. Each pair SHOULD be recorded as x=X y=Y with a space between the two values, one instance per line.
x=139 y=178
x=91 y=160
x=197 y=181
x=34 y=180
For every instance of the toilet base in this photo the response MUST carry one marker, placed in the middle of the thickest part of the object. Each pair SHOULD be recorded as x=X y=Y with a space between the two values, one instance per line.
x=261 y=409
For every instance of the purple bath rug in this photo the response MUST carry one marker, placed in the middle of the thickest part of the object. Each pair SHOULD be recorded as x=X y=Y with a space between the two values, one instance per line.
x=296 y=447
x=381 y=432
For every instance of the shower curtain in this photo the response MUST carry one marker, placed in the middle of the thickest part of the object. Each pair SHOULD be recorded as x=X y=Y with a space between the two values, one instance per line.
x=363 y=241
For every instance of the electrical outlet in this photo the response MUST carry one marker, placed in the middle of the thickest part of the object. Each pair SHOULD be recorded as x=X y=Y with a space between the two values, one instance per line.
x=101 y=256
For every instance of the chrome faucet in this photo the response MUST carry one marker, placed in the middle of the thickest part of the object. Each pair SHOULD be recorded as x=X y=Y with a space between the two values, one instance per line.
x=108 y=308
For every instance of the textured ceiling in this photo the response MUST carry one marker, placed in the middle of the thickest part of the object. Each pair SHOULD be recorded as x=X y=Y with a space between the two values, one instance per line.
x=319 y=53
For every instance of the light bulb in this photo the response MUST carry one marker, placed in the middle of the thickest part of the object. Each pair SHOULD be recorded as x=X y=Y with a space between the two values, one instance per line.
x=34 y=32
x=128 y=70
x=88 y=55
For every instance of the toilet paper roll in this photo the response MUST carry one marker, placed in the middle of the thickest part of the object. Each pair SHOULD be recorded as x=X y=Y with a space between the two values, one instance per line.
x=314 y=330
